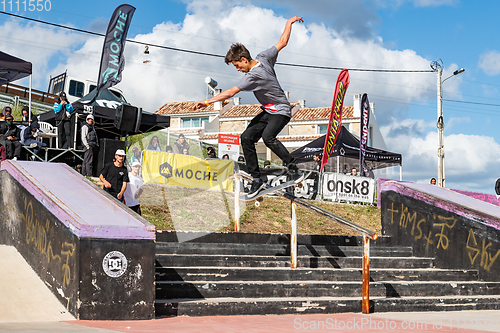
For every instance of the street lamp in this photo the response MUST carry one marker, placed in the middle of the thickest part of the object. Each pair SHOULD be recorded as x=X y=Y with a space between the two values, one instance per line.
x=438 y=66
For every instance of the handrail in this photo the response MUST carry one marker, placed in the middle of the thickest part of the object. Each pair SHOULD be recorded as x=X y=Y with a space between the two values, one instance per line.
x=367 y=234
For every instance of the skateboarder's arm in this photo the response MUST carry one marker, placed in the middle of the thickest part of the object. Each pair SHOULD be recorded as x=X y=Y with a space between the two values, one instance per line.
x=217 y=98
x=286 y=33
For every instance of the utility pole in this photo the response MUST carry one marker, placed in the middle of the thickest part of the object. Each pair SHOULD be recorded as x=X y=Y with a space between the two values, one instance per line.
x=438 y=67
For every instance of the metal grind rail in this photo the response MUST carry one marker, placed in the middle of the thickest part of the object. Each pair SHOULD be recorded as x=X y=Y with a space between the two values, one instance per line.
x=367 y=234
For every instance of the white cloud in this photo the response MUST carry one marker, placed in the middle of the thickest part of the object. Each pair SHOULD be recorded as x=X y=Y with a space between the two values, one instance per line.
x=468 y=158
x=434 y=3
x=37 y=44
x=176 y=76
x=489 y=62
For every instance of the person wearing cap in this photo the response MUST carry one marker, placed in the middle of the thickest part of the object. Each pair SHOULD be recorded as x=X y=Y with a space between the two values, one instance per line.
x=114 y=176
x=134 y=189
x=211 y=153
x=12 y=134
x=136 y=155
x=29 y=136
x=90 y=141
x=63 y=110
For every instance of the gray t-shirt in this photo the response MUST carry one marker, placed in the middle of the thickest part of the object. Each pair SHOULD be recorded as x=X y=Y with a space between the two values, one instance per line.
x=261 y=79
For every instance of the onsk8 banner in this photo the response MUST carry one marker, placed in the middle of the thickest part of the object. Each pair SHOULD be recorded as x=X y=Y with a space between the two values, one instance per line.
x=185 y=170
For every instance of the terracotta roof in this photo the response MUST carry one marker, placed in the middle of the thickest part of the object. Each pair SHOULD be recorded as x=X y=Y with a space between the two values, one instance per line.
x=245 y=110
x=251 y=110
x=185 y=108
x=320 y=113
x=302 y=114
x=288 y=138
x=186 y=130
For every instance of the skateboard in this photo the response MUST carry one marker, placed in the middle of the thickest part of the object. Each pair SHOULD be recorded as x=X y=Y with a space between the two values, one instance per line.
x=268 y=188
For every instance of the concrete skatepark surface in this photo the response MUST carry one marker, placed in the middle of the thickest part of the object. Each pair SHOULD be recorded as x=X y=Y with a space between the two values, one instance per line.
x=27 y=305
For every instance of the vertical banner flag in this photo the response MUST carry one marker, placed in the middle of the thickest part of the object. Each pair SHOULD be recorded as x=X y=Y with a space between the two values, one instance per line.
x=335 y=121
x=112 y=59
x=363 y=142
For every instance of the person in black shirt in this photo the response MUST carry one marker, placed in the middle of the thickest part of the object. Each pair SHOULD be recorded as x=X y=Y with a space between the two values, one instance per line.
x=114 y=176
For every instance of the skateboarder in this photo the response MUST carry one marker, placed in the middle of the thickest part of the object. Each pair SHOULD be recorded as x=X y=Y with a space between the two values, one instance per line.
x=276 y=110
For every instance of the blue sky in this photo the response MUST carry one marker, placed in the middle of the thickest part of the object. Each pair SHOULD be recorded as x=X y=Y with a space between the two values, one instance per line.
x=379 y=34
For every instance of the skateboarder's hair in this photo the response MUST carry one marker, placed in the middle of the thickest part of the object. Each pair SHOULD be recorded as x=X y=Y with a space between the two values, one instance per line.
x=235 y=53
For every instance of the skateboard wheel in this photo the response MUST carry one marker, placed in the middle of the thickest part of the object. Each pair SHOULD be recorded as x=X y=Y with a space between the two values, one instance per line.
x=297 y=189
x=257 y=204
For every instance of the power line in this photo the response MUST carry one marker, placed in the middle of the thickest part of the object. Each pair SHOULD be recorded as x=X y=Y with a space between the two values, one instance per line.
x=476 y=103
x=217 y=55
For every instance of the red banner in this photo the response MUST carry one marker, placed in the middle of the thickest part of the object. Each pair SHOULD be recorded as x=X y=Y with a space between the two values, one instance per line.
x=335 y=121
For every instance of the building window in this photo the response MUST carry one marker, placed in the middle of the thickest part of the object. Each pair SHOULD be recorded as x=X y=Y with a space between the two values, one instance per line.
x=76 y=88
x=323 y=128
x=193 y=122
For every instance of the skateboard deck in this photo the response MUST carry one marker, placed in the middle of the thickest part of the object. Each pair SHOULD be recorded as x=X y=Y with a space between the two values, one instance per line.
x=271 y=189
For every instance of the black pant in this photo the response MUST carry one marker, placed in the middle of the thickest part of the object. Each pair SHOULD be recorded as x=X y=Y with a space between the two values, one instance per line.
x=136 y=208
x=266 y=126
x=88 y=160
x=64 y=127
x=13 y=148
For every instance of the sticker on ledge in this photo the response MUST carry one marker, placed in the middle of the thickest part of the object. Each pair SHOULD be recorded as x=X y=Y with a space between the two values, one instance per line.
x=114 y=264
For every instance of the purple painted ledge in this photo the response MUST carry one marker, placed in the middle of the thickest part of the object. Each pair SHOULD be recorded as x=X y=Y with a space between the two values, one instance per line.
x=450 y=200
x=79 y=204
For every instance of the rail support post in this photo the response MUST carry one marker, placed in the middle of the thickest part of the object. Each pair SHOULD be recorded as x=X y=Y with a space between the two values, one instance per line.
x=366 y=276
x=293 y=236
x=237 y=182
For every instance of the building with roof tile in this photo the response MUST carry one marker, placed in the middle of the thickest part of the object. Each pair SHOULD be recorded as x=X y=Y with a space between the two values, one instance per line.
x=231 y=117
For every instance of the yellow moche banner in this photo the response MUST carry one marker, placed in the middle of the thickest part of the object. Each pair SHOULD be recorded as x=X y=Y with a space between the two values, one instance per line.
x=184 y=170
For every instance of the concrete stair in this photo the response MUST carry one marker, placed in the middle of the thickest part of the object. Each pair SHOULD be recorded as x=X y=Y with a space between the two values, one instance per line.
x=217 y=275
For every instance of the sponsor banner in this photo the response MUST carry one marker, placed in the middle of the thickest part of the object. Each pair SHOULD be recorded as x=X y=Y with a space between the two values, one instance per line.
x=335 y=122
x=188 y=171
x=363 y=142
x=112 y=59
x=337 y=186
x=229 y=144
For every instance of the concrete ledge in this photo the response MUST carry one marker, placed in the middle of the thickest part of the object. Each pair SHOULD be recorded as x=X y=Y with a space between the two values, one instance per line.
x=458 y=231
x=69 y=240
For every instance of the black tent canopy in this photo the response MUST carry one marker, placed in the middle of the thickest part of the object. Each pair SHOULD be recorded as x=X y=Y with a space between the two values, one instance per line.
x=347 y=151
x=12 y=68
x=103 y=107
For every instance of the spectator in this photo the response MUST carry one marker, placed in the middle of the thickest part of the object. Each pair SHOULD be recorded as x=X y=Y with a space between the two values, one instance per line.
x=28 y=138
x=90 y=142
x=114 y=176
x=185 y=151
x=6 y=111
x=169 y=149
x=433 y=181
x=354 y=172
x=12 y=135
x=267 y=164
x=225 y=157
x=63 y=110
x=317 y=164
x=154 y=144
x=241 y=159
x=137 y=156
x=180 y=144
x=134 y=189
x=26 y=115
x=211 y=152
